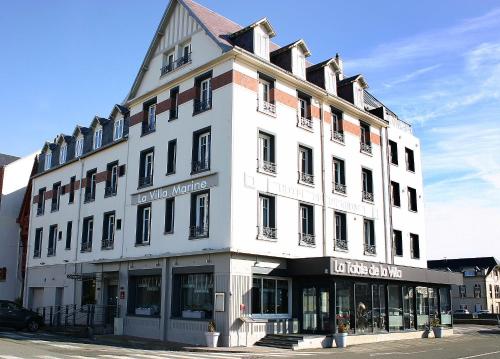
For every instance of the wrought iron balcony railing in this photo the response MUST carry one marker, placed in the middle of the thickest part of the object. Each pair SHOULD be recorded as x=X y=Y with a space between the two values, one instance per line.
x=366 y=147
x=89 y=196
x=200 y=166
x=198 y=231
x=181 y=61
x=107 y=243
x=306 y=178
x=202 y=105
x=370 y=249
x=339 y=188
x=304 y=122
x=146 y=181
x=110 y=191
x=266 y=107
x=338 y=136
x=86 y=247
x=267 y=233
x=367 y=196
x=267 y=167
x=341 y=244
x=307 y=239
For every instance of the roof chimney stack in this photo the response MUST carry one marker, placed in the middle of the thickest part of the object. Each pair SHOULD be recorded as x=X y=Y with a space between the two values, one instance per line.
x=340 y=64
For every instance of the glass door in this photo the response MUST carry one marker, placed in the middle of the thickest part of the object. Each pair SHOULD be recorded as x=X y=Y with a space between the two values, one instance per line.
x=324 y=311
x=309 y=316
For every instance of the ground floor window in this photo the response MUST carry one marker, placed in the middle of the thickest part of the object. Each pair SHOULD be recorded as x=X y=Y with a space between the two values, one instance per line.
x=422 y=307
x=145 y=295
x=88 y=291
x=363 y=300
x=445 y=306
x=269 y=296
x=344 y=313
x=193 y=296
x=395 y=307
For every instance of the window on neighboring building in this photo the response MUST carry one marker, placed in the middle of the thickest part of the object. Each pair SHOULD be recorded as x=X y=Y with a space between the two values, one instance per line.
x=90 y=185
x=118 y=129
x=367 y=182
x=412 y=199
x=462 y=290
x=149 y=120
x=143 y=228
x=199 y=215
x=51 y=250
x=270 y=296
x=79 y=146
x=63 y=150
x=108 y=230
x=145 y=295
x=306 y=173
x=146 y=167
x=171 y=156
x=174 y=103
x=48 y=160
x=410 y=160
x=301 y=64
x=369 y=236
x=306 y=225
x=56 y=197
x=340 y=231
x=97 y=137
x=69 y=232
x=395 y=194
x=339 y=185
x=201 y=151
x=337 y=125
x=477 y=291
x=37 y=248
x=366 y=144
x=266 y=158
x=304 y=112
x=168 y=62
x=41 y=202
x=203 y=87
x=112 y=173
x=267 y=217
x=87 y=234
x=193 y=295
x=170 y=215
x=3 y=274
x=72 y=183
x=397 y=238
x=393 y=152
x=185 y=55
x=415 y=246
x=265 y=95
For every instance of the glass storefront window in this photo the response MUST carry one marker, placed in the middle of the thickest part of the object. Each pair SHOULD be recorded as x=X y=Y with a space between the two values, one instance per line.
x=197 y=295
x=363 y=300
x=422 y=307
x=395 y=308
x=433 y=303
x=379 y=308
x=256 y=296
x=282 y=296
x=445 y=302
x=269 y=296
x=309 y=309
x=408 y=311
x=146 y=295
x=344 y=313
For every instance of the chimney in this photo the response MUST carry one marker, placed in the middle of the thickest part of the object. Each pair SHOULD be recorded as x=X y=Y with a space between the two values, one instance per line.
x=340 y=64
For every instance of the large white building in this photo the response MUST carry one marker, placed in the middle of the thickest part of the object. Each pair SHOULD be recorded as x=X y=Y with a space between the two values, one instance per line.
x=237 y=182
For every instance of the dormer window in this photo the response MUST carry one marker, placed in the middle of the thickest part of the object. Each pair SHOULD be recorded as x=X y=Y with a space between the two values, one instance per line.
x=97 y=138
x=330 y=81
x=118 y=129
x=79 y=146
x=261 y=43
x=185 y=54
x=301 y=64
x=63 y=151
x=48 y=160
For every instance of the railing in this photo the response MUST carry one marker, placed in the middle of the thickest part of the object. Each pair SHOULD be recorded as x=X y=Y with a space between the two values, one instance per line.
x=338 y=136
x=37 y=253
x=365 y=147
x=307 y=239
x=304 y=122
x=40 y=210
x=51 y=251
x=167 y=68
x=370 y=249
x=200 y=166
x=87 y=315
x=198 y=231
x=89 y=197
x=341 y=244
x=266 y=107
x=202 y=105
x=367 y=196
x=54 y=206
x=86 y=247
x=110 y=191
x=267 y=233
x=267 y=167
x=339 y=188
x=107 y=243
x=183 y=60
x=145 y=181
x=306 y=178
x=148 y=127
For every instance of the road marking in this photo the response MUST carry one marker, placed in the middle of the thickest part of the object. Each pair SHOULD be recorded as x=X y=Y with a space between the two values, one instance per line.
x=64 y=346
x=47 y=357
x=9 y=357
x=115 y=356
x=479 y=355
x=405 y=353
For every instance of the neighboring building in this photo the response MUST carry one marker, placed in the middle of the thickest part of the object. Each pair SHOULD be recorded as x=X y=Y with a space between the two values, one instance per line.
x=481 y=282
x=14 y=177
x=237 y=180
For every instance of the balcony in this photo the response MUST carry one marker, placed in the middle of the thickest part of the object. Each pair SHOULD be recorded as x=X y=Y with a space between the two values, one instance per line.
x=198 y=232
x=367 y=196
x=89 y=197
x=341 y=244
x=148 y=127
x=145 y=181
x=40 y=210
x=183 y=60
x=51 y=251
x=167 y=68
x=200 y=166
x=338 y=136
x=306 y=178
x=37 y=253
x=54 y=206
x=307 y=239
x=266 y=107
x=370 y=249
x=202 y=105
x=267 y=167
x=267 y=233
x=339 y=188
x=305 y=123
x=107 y=243
x=86 y=247
x=366 y=148
x=110 y=191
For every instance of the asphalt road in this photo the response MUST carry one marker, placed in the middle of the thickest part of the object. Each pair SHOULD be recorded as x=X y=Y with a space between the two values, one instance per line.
x=471 y=342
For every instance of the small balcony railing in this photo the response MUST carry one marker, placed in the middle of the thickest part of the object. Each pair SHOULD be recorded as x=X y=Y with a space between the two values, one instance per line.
x=89 y=197
x=86 y=247
x=338 y=136
x=40 y=210
x=267 y=167
x=51 y=251
x=148 y=127
x=370 y=249
x=306 y=178
x=367 y=196
x=146 y=181
x=307 y=239
x=267 y=233
x=54 y=206
x=366 y=147
x=110 y=191
x=266 y=107
x=167 y=68
x=37 y=253
x=341 y=244
x=202 y=105
x=198 y=231
x=305 y=122
x=339 y=188
x=107 y=243
x=200 y=166
x=181 y=61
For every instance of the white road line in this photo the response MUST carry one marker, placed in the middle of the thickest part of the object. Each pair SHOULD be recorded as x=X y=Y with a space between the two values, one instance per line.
x=191 y=355
x=64 y=346
x=47 y=357
x=404 y=353
x=115 y=356
x=9 y=357
x=479 y=355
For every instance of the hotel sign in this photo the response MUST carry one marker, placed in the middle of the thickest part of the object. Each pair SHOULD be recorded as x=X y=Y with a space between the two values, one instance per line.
x=361 y=269
x=198 y=184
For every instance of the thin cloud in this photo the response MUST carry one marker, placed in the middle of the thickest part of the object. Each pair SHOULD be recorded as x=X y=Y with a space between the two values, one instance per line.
x=412 y=75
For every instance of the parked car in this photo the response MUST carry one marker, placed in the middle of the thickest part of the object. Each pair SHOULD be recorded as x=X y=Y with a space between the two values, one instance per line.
x=12 y=315
x=482 y=311
x=461 y=311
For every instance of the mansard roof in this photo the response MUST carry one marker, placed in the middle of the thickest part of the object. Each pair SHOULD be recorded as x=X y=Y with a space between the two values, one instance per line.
x=264 y=22
x=354 y=78
x=6 y=159
x=325 y=63
x=459 y=264
x=80 y=129
x=98 y=120
x=49 y=146
x=119 y=108
x=62 y=137
x=300 y=43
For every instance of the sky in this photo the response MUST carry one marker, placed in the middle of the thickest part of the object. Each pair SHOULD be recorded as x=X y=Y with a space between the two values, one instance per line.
x=435 y=63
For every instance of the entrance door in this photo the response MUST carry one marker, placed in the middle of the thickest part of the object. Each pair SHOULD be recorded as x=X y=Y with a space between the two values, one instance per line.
x=309 y=316
x=324 y=311
x=316 y=310
x=111 y=302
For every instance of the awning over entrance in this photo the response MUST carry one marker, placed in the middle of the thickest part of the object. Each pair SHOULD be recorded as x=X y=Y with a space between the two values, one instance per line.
x=370 y=270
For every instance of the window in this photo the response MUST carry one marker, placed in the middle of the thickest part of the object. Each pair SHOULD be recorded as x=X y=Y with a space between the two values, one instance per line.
x=168 y=62
x=367 y=181
x=201 y=151
x=171 y=156
x=199 y=215
x=118 y=129
x=3 y=274
x=366 y=145
x=344 y=312
x=261 y=41
x=174 y=103
x=112 y=173
x=185 y=55
x=203 y=100
x=363 y=302
x=306 y=175
x=304 y=112
x=193 y=295
x=395 y=307
x=97 y=137
x=337 y=126
x=143 y=231
x=410 y=160
x=369 y=236
x=63 y=151
x=79 y=146
x=393 y=152
x=270 y=296
x=146 y=167
x=69 y=232
x=330 y=80
x=395 y=195
x=415 y=246
x=266 y=160
x=51 y=250
x=41 y=202
x=149 y=120
x=170 y=215
x=87 y=234
x=145 y=295
x=71 y=197
x=301 y=64
x=48 y=160
x=477 y=291
x=397 y=238
x=339 y=176
x=412 y=199
x=37 y=248
x=108 y=230
x=267 y=217
x=306 y=220
x=90 y=185
x=56 y=197
x=264 y=90
x=462 y=289
x=340 y=231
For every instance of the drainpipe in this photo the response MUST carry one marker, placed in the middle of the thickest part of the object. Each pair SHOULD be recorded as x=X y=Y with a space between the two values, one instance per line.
x=78 y=228
x=125 y=195
x=389 y=245
x=323 y=192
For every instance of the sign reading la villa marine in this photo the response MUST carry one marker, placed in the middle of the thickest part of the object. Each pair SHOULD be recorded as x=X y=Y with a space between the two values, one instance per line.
x=198 y=184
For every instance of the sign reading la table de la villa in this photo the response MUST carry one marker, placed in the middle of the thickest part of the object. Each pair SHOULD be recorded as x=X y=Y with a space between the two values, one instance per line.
x=376 y=270
x=195 y=185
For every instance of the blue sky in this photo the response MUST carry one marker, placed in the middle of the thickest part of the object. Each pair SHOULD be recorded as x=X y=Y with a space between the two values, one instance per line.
x=436 y=64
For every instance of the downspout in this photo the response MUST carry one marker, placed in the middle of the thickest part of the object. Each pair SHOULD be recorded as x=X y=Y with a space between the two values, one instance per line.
x=389 y=252
x=126 y=186
x=78 y=228
x=323 y=192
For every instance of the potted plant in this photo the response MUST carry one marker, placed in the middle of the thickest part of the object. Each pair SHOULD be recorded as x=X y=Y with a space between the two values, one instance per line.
x=437 y=328
x=341 y=336
x=212 y=336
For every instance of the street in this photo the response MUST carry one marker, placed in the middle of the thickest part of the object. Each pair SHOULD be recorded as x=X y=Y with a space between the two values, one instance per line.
x=471 y=342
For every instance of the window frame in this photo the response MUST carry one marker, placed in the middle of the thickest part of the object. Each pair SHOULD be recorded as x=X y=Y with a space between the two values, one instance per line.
x=63 y=152
x=144 y=215
x=169 y=219
x=97 y=138
x=118 y=126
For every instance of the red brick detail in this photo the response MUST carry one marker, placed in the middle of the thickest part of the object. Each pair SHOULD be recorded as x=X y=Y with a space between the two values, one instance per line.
x=48 y=194
x=351 y=128
x=327 y=116
x=77 y=185
x=374 y=138
x=35 y=199
x=84 y=182
x=245 y=81
x=222 y=80
x=186 y=96
x=101 y=176
x=137 y=118
x=314 y=111
x=286 y=99
x=163 y=106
